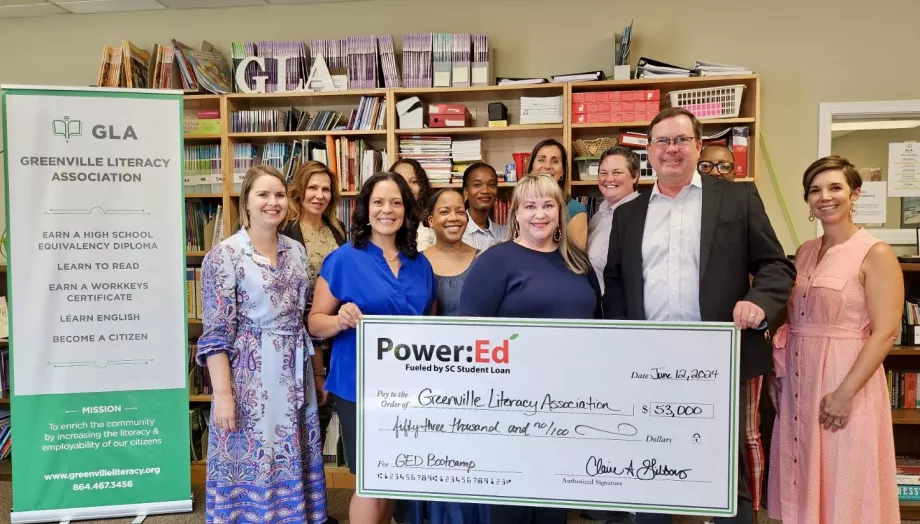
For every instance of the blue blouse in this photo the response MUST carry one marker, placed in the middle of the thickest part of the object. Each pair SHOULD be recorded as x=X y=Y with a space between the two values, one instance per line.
x=363 y=277
x=574 y=207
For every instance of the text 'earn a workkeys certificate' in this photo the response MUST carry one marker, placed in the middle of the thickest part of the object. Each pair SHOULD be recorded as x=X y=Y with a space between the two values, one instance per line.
x=573 y=414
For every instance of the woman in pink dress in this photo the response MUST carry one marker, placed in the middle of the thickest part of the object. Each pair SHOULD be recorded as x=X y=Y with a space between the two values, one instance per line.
x=832 y=453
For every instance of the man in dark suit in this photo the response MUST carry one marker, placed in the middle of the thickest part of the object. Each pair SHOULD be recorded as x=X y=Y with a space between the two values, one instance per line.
x=687 y=250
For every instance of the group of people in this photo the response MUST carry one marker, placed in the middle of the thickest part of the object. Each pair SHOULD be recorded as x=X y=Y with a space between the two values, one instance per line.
x=283 y=296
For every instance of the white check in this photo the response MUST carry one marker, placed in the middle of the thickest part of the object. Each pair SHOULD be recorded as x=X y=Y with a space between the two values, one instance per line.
x=575 y=414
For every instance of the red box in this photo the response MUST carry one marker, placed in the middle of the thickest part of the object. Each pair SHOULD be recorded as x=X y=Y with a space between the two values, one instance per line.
x=448 y=115
x=578 y=97
x=590 y=97
x=604 y=118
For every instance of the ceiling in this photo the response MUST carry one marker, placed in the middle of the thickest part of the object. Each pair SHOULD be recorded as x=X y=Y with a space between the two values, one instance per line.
x=34 y=8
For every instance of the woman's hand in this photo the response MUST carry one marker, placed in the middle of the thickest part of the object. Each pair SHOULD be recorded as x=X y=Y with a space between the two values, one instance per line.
x=321 y=394
x=775 y=390
x=348 y=317
x=835 y=410
x=224 y=411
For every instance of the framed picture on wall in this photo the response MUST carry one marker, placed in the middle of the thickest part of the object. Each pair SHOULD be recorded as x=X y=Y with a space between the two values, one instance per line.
x=910 y=212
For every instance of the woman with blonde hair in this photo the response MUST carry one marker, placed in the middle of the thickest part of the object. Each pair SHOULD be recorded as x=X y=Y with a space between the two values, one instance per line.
x=537 y=273
x=255 y=345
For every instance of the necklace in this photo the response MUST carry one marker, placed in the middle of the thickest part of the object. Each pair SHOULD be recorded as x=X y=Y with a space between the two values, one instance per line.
x=394 y=259
x=453 y=252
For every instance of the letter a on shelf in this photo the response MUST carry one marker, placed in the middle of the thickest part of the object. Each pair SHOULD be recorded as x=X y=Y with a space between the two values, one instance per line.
x=320 y=79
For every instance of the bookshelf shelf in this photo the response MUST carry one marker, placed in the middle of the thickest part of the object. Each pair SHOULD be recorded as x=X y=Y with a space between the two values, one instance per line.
x=905 y=351
x=204 y=195
x=294 y=135
x=5 y=401
x=499 y=143
x=669 y=84
x=519 y=130
x=905 y=416
x=623 y=125
x=293 y=97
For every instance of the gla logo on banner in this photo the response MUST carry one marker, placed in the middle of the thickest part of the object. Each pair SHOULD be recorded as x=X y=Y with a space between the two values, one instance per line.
x=98 y=328
x=67 y=128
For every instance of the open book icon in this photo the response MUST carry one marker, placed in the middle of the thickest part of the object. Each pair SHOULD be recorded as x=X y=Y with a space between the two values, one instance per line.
x=67 y=128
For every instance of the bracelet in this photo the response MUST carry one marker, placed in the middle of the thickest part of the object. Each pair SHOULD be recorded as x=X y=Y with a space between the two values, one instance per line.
x=319 y=375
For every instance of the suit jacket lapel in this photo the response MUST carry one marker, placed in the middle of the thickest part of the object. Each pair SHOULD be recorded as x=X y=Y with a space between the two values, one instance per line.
x=635 y=248
x=712 y=194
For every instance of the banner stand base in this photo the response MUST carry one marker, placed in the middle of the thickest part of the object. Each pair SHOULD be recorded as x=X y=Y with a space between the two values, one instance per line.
x=101 y=512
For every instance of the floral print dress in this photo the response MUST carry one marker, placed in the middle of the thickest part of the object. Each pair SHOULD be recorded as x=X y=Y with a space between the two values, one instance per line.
x=271 y=468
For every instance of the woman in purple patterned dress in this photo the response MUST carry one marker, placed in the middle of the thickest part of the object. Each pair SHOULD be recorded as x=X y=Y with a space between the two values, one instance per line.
x=265 y=461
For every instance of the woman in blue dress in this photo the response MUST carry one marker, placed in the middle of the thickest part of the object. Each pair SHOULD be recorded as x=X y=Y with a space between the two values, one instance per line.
x=379 y=273
x=265 y=462
x=451 y=260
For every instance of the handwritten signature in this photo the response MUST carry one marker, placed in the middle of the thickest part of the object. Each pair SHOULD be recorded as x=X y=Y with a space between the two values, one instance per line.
x=650 y=469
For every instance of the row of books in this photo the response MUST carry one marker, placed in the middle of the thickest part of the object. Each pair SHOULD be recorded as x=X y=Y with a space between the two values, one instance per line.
x=902 y=389
x=908 y=478
x=366 y=62
x=368 y=115
x=167 y=66
x=203 y=169
x=194 y=303
x=199 y=380
x=203 y=224
x=6 y=431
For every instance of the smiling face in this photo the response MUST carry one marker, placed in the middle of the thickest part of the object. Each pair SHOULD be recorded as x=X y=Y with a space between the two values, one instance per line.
x=266 y=202
x=537 y=217
x=448 y=218
x=408 y=174
x=830 y=197
x=481 y=188
x=548 y=160
x=717 y=161
x=317 y=194
x=614 y=179
x=674 y=163
x=386 y=208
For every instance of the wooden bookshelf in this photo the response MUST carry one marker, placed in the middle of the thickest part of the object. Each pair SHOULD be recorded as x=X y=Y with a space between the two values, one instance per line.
x=498 y=142
x=906 y=421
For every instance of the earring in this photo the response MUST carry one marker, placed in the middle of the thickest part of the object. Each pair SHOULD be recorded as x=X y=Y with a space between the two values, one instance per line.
x=517 y=234
x=853 y=208
x=557 y=235
x=811 y=216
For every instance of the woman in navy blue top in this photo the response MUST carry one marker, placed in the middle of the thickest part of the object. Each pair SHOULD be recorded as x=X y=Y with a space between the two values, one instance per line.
x=379 y=273
x=541 y=273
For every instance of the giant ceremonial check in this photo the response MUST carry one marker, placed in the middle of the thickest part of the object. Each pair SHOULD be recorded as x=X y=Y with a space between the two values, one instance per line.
x=574 y=414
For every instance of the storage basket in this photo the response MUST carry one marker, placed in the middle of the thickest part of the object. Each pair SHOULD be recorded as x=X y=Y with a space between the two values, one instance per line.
x=593 y=147
x=710 y=102
x=586 y=167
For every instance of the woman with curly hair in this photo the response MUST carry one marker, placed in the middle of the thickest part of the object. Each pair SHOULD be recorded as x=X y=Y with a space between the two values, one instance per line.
x=394 y=280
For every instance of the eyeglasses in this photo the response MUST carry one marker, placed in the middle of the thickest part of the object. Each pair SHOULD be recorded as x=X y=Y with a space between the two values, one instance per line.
x=706 y=167
x=679 y=141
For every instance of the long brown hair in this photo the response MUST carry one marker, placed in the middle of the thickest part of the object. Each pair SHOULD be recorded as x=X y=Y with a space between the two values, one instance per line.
x=299 y=184
x=576 y=259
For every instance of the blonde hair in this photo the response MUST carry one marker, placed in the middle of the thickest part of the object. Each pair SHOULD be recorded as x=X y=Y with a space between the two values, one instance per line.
x=251 y=176
x=576 y=259
x=299 y=184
